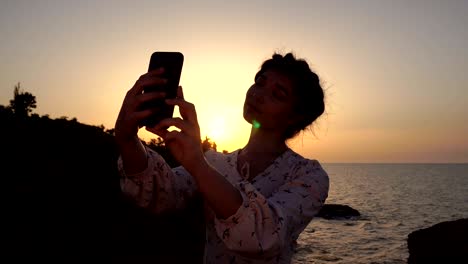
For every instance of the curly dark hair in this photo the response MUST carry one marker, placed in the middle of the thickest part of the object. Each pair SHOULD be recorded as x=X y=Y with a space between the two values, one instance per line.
x=307 y=90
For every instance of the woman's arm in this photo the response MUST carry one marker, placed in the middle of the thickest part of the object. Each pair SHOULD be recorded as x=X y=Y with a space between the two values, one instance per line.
x=222 y=197
x=145 y=176
x=130 y=117
x=185 y=145
x=133 y=154
x=158 y=187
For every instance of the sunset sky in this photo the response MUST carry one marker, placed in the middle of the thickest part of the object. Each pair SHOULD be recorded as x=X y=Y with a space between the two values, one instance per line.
x=395 y=72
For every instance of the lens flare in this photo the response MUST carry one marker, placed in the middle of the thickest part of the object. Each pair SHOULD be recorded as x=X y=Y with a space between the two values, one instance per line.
x=256 y=124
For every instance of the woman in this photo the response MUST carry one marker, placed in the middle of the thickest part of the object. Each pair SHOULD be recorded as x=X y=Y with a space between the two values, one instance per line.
x=258 y=198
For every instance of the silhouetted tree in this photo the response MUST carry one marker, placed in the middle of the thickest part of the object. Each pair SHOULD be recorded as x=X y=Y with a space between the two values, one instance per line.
x=5 y=110
x=207 y=144
x=23 y=102
x=110 y=131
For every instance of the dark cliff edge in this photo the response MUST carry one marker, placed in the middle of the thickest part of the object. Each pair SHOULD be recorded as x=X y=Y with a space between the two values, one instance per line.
x=62 y=196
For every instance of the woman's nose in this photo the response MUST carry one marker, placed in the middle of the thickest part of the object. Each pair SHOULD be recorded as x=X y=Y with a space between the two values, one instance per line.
x=258 y=96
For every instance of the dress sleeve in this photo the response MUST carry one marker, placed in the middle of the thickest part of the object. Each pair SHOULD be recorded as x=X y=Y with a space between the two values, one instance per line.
x=262 y=226
x=158 y=188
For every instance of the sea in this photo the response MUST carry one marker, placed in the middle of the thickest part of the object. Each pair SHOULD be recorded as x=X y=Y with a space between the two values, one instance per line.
x=394 y=200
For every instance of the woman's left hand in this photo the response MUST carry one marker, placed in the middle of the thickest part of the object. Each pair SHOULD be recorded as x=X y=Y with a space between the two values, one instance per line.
x=185 y=145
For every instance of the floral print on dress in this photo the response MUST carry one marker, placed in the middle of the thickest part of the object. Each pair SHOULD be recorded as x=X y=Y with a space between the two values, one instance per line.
x=277 y=204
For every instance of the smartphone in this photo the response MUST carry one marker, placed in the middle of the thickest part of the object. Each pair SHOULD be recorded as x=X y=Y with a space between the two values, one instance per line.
x=172 y=63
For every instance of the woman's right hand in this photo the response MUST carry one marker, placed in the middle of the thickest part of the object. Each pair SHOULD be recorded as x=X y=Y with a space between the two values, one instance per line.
x=131 y=115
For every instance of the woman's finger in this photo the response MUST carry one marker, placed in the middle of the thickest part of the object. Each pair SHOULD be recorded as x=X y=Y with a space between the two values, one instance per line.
x=157 y=72
x=160 y=132
x=148 y=97
x=181 y=124
x=186 y=109
x=148 y=82
x=139 y=116
x=174 y=135
x=143 y=101
x=151 y=96
x=180 y=92
x=148 y=79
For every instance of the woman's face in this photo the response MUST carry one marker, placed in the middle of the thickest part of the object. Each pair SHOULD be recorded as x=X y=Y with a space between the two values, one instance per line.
x=269 y=102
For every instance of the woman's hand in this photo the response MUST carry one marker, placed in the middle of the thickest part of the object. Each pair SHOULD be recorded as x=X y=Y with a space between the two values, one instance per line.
x=131 y=115
x=185 y=145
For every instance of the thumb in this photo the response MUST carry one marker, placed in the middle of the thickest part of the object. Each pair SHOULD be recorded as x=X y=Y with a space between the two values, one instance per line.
x=180 y=92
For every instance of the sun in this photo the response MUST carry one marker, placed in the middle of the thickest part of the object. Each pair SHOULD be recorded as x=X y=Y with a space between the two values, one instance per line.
x=225 y=128
x=215 y=129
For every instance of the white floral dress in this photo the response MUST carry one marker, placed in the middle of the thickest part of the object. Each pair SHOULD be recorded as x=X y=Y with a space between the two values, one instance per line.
x=277 y=204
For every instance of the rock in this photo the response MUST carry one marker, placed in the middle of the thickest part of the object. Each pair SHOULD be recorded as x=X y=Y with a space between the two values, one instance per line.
x=445 y=242
x=337 y=211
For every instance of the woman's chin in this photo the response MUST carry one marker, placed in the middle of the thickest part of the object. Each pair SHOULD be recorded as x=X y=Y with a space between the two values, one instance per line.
x=248 y=117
